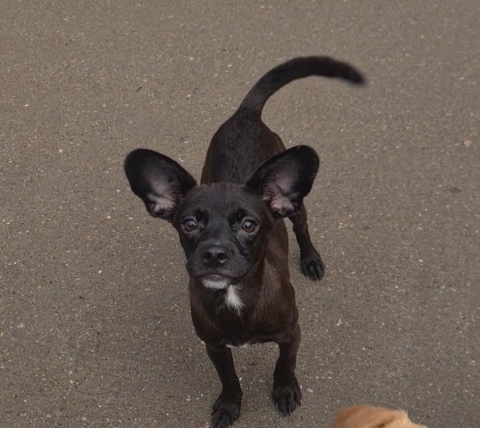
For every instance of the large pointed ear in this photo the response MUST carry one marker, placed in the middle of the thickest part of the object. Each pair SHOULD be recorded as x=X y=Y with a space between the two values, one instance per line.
x=158 y=180
x=284 y=180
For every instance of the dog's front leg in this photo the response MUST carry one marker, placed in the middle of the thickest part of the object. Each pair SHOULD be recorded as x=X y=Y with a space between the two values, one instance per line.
x=286 y=392
x=227 y=407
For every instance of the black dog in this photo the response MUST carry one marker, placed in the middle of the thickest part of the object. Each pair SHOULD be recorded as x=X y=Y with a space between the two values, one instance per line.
x=234 y=239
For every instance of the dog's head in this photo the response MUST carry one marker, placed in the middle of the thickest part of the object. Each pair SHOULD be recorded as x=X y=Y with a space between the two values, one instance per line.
x=222 y=226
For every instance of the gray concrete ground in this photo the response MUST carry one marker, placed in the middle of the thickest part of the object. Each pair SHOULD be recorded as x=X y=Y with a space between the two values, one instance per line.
x=95 y=328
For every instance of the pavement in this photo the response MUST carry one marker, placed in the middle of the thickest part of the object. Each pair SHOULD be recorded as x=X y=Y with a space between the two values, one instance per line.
x=95 y=329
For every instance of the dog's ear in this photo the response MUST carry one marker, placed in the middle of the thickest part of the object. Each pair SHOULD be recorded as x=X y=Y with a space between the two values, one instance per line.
x=284 y=180
x=158 y=180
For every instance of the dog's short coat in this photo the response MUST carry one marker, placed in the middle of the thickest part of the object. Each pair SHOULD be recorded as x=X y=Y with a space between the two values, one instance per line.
x=235 y=242
x=373 y=417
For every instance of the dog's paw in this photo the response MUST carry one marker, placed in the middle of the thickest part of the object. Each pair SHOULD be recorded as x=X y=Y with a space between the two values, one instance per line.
x=224 y=413
x=286 y=398
x=313 y=267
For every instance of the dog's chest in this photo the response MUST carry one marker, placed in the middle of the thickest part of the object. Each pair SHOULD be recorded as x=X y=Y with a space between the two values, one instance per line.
x=233 y=299
x=241 y=345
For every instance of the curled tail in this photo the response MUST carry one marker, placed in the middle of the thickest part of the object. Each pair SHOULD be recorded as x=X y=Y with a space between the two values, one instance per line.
x=294 y=69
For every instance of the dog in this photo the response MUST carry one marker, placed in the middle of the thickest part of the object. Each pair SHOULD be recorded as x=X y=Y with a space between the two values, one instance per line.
x=373 y=417
x=231 y=229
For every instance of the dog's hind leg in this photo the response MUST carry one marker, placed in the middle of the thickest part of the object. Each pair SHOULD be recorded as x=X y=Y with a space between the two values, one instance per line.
x=311 y=262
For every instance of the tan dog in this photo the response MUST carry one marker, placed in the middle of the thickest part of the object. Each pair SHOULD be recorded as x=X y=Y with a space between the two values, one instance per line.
x=373 y=417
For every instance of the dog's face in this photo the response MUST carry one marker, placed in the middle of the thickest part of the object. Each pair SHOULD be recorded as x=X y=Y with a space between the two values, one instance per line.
x=222 y=226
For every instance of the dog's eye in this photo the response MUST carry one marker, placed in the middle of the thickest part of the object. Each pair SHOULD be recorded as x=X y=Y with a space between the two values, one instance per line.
x=249 y=226
x=189 y=225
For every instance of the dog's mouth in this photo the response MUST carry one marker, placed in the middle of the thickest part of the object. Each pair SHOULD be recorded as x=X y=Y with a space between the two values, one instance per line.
x=215 y=281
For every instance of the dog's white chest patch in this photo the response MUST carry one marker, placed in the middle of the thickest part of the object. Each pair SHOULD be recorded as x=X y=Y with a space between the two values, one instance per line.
x=233 y=300
x=243 y=345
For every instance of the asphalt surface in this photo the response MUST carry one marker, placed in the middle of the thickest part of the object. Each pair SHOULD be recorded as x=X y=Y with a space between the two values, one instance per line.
x=95 y=328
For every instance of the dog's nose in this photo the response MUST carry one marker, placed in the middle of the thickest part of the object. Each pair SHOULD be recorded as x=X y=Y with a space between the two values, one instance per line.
x=214 y=256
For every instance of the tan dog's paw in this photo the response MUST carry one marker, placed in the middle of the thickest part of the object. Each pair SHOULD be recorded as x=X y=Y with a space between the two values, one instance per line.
x=373 y=417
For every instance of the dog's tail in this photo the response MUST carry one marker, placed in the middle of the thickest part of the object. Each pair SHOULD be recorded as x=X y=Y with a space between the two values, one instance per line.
x=294 y=69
